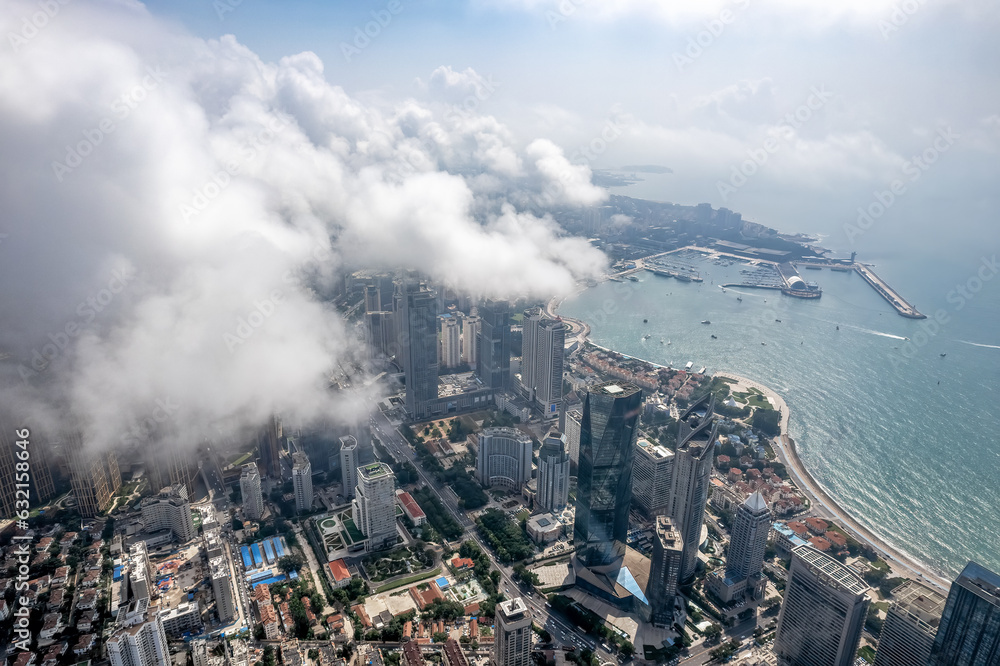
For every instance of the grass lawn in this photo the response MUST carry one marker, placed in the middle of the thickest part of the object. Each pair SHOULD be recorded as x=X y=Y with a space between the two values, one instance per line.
x=867 y=653
x=879 y=564
x=242 y=459
x=410 y=580
x=352 y=530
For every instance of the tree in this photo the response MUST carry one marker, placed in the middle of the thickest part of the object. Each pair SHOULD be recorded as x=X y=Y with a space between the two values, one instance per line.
x=439 y=637
x=627 y=649
x=237 y=523
x=767 y=421
x=290 y=563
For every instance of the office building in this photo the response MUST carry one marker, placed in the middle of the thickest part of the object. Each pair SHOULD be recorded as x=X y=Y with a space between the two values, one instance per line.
x=349 y=464
x=493 y=362
x=374 y=506
x=450 y=343
x=373 y=298
x=969 y=634
x=553 y=472
x=692 y=475
x=504 y=458
x=470 y=340
x=170 y=467
x=823 y=613
x=910 y=625
x=269 y=448
x=652 y=476
x=90 y=479
x=512 y=642
x=543 y=342
x=418 y=346
x=253 y=496
x=302 y=482
x=169 y=510
x=222 y=587
x=743 y=576
x=138 y=638
x=381 y=334
x=608 y=433
x=573 y=419
x=664 y=569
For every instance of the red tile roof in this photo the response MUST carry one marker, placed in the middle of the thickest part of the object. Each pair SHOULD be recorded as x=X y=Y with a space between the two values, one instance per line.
x=339 y=570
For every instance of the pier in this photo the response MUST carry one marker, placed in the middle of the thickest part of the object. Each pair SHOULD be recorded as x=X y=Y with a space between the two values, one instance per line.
x=887 y=292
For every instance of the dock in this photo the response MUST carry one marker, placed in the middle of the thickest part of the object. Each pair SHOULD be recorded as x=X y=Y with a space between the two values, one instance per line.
x=887 y=292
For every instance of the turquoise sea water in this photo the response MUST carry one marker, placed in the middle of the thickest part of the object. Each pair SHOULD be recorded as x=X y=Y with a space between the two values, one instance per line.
x=906 y=440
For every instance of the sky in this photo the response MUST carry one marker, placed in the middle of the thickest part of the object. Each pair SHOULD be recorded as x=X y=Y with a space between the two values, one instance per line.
x=182 y=181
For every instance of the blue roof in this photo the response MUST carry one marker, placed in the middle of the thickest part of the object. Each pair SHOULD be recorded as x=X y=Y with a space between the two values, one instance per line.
x=627 y=580
x=258 y=559
x=247 y=561
x=442 y=582
x=278 y=547
x=118 y=572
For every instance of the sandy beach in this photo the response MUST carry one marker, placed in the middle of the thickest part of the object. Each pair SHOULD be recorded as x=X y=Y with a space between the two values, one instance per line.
x=825 y=506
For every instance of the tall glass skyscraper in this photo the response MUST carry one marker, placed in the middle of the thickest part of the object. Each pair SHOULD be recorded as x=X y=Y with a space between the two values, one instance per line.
x=608 y=435
x=493 y=362
x=418 y=344
x=969 y=633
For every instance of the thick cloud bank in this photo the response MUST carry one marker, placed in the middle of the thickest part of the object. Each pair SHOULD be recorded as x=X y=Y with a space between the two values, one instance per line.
x=173 y=208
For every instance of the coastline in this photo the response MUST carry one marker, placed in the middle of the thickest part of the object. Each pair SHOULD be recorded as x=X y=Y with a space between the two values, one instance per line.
x=821 y=502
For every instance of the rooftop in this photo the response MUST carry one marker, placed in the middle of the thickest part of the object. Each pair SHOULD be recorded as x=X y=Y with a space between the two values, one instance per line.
x=831 y=569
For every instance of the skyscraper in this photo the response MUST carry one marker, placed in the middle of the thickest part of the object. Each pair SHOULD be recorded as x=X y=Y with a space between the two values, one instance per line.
x=222 y=587
x=652 y=477
x=253 y=498
x=664 y=568
x=470 y=340
x=170 y=467
x=910 y=625
x=969 y=634
x=138 y=638
x=380 y=330
x=269 y=448
x=302 y=481
x=40 y=479
x=573 y=420
x=493 y=364
x=169 y=510
x=374 y=506
x=553 y=472
x=542 y=347
x=745 y=559
x=608 y=433
x=89 y=477
x=823 y=613
x=512 y=643
x=451 y=342
x=692 y=474
x=504 y=458
x=349 y=464
x=418 y=346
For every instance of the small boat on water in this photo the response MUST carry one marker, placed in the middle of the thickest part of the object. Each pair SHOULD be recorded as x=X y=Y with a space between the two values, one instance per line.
x=838 y=328
x=764 y=343
x=714 y=337
x=778 y=320
x=739 y=298
x=943 y=355
x=646 y=337
x=705 y=321
x=645 y=321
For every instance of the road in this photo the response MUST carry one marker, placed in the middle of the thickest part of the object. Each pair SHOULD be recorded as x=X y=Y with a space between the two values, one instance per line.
x=563 y=633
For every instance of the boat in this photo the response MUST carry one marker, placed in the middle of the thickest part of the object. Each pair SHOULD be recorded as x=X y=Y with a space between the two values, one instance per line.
x=713 y=337
x=739 y=298
x=841 y=269
x=814 y=268
x=645 y=321
x=702 y=371
x=778 y=320
x=646 y=337
x=764 y=343
x=633 y=278
x=838 y=328
x=943 y=355
x=705 y=321
x=689 y=365
x=669 y=342
x=661 y=341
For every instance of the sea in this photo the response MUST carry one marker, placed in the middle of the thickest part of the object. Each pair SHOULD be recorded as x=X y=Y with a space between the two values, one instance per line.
x=896 y=418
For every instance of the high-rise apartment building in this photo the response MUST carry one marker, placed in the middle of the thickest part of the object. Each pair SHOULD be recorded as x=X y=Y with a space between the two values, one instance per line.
x=253 y=496
x=823 y=612
x=493 y=362
x=269 y=447
x=664 y=569
x=222 y=587
x=138 y=638
x=40 y=478
x=381 y=334
x=170 y=467
x=418 y=346
x=512 y=642
x=553 y=472
x=542 y=347
x=652 y=477
x=692 y=475
x=608 y=433
x=349 y=464
x=89 y=477
x=504 y=458
x=910 y=625
x=450 y=355
x=743 y=575
x=169 y=510
x=969 y=634
x=302 y=483
x=470 y=340
x=374 y=506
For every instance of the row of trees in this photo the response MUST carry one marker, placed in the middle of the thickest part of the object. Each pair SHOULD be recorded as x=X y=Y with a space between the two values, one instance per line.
x=437 y=515
x=505 y=536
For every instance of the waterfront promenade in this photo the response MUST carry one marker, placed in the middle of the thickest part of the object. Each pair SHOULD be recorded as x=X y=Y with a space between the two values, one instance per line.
x=825 y=506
